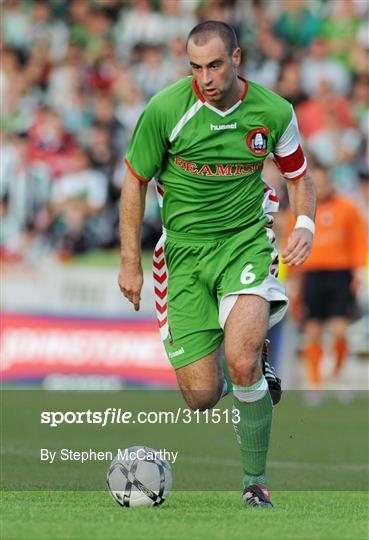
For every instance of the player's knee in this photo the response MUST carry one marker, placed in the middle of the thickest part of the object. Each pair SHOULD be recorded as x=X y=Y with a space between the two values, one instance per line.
x=339 y=330
x=201 y=400
x=246 y=350
x=244 y=367
x=312 y=332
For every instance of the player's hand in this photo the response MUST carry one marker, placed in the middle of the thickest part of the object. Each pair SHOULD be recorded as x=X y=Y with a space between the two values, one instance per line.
x=130 y=282
x=298 y=247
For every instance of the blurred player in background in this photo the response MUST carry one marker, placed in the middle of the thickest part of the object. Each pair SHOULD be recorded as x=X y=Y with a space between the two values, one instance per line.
x=205 y=139
x=330 y=278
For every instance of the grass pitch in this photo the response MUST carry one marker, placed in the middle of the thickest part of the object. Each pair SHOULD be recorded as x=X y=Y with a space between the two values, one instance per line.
x=185 y=515
x=323 y=448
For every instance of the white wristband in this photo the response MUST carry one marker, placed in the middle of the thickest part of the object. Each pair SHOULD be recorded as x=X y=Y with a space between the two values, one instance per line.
x=304 y=222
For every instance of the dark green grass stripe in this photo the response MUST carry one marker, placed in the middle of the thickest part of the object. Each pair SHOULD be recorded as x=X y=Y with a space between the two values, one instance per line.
x=186 y=515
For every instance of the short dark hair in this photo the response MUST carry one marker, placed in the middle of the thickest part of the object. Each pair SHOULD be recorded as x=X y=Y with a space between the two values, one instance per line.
x=206 y=30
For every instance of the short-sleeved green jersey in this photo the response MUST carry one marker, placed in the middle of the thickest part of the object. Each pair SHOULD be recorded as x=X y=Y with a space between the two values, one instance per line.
x=208 y=162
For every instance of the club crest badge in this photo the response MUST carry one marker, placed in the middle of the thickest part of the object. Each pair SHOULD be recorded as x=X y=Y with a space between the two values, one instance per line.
x=257 y=140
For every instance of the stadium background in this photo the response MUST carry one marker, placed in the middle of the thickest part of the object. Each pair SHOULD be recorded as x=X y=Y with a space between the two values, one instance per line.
x=74 y=77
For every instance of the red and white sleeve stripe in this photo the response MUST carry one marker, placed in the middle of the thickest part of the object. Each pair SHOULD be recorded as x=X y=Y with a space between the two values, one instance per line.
x=288 y=154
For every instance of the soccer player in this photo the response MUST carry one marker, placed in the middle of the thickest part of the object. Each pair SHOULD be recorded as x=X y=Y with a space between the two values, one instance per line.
x=330 y=277
x=204 y=140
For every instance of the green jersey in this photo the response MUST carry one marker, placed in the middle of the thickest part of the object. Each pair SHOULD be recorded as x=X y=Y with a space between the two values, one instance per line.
x=208 y=163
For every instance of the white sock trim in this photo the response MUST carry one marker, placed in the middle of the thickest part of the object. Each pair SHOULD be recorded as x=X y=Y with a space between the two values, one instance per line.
x=250 y=396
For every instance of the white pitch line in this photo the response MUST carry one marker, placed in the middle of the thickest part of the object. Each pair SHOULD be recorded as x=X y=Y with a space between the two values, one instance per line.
x=16 y=451
x=351 y=467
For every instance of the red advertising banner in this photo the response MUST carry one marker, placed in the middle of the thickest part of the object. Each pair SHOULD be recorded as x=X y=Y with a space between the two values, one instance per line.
x=33 y=347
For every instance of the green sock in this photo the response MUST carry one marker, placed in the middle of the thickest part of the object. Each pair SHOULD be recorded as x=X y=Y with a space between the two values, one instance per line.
x=253 y=431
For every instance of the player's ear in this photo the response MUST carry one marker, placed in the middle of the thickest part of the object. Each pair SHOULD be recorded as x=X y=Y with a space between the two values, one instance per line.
x=236 y=57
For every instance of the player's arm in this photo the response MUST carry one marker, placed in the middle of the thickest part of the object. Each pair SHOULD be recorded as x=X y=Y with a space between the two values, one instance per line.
x=132 y=207
x=290 y=159
x=301 y=193
x=143 y=159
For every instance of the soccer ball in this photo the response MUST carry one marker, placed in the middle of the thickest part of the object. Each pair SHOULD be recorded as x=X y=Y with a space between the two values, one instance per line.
x=138 y=476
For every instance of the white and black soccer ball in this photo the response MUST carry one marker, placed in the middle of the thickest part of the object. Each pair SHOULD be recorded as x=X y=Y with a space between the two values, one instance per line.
x=138 y=477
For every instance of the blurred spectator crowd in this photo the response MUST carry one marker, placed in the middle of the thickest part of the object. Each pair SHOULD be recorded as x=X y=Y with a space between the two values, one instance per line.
x=76 y=74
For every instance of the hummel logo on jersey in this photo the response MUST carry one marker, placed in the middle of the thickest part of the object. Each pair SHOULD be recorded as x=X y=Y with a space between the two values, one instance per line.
x=176 y=353
x=220 y=127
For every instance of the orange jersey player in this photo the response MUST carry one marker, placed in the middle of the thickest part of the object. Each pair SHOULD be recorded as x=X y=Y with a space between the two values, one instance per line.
x=330 y=274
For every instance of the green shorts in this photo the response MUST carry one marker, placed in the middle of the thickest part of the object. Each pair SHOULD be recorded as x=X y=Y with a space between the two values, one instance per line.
x=197 y=282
